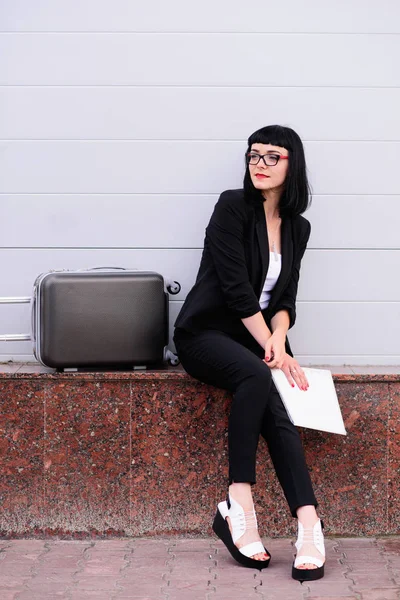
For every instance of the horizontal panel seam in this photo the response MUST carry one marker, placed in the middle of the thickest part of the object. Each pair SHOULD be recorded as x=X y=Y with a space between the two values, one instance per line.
x=195 y=140
x=194 y=32
x=210 y=194
x=196 y=248
x=298 y=302
x=194 y=86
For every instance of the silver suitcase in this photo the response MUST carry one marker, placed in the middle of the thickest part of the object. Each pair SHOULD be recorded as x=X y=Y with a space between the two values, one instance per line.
x=99 y=317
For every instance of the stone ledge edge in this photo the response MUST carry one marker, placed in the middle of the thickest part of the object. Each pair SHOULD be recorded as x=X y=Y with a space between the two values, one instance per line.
x=171 y=375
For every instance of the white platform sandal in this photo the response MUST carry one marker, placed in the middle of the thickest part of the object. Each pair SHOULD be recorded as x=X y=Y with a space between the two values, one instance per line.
x=313 y=535
x=241 y=522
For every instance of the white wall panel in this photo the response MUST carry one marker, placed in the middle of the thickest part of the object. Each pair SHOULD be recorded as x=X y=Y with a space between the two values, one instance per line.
x=209 y=15
x=230 y=113
x=365 y=221
x=334 y=332
x=200 y=59
x=344 y=328
x=178 y=221
x=350 y=275
x=132 y=221
x=203 y=167
x=327 y=275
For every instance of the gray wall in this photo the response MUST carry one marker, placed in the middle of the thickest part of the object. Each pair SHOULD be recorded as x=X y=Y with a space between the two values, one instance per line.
x=122 y=121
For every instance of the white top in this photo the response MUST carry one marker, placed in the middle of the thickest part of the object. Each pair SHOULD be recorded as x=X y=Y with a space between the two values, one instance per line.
x=274 y=270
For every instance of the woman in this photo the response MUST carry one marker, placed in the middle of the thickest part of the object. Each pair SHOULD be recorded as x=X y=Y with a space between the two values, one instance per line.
x=231 y=332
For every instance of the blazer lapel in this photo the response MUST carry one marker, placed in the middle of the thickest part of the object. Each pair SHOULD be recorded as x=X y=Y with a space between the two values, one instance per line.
x=262 y=235
x=287 y=259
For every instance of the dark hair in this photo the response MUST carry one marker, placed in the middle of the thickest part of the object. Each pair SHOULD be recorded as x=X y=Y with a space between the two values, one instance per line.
x=296 y=197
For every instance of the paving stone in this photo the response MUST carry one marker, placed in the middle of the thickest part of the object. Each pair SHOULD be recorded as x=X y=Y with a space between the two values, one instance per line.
x=321 y=587
x=140 y=588
x=185 y=595
x=190 y=558
x=360 y=542
x=87 y=595
x=151 y=547
x=368 y=556
x=187 y=584
x=130 y=596
x=103 y=567
x=150 y=584
x=6 y=594
x=390 y=545
x=194 y=545
x=95 y=582
x=42 y=595
x=238 y=575
x=331 y=597
x=381 y=594
x=158 y=562
x=235 y=595
x=134 y=596
x=393 y=560
x=56 y=590
x=371 y=579
x=194 y=573
x=395 y=573
x=298 y=593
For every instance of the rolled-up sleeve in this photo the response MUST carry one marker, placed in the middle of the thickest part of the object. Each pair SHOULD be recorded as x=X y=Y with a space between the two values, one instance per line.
x=288 y=299
x=224 y=240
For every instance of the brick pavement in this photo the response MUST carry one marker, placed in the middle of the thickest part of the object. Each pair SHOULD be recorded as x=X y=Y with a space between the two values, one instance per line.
x=191 y=569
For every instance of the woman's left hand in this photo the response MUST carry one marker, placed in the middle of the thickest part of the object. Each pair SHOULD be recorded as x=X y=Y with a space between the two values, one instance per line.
x=275 y=352
x=294 y=373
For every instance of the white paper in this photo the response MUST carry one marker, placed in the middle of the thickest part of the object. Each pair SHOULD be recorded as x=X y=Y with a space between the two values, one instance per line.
x=316 y=408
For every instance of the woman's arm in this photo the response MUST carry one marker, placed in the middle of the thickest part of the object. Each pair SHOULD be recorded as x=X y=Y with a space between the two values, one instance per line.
x=280 y=323
x=258 y=328
x=225 y=242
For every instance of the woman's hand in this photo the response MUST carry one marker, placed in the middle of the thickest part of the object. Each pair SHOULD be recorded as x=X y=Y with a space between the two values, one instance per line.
x=275 y=350
x=293 y=371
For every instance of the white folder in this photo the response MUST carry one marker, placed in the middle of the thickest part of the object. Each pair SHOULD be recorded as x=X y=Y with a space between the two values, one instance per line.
x=316 y=408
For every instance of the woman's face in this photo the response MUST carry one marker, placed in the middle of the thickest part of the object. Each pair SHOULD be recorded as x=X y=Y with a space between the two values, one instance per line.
x=268 y=177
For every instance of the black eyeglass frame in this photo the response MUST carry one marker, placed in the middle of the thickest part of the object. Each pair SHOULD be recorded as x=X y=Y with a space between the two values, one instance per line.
x=275 y=158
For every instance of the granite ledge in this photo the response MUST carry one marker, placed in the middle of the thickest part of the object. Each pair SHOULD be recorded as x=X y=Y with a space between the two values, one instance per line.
x=37 y=371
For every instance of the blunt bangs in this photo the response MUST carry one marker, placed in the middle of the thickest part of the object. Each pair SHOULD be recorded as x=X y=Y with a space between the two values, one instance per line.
x=276 y=135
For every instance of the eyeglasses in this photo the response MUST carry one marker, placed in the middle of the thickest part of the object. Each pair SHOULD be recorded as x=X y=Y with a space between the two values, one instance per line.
x=270 y=160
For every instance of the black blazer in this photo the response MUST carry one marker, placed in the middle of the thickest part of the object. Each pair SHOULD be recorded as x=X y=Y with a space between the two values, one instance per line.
x=234 y=265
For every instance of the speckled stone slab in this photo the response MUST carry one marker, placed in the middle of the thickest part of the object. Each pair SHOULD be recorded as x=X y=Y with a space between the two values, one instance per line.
x=87 y=457
x=22 y=406
x=145 y=453
x=394 y=458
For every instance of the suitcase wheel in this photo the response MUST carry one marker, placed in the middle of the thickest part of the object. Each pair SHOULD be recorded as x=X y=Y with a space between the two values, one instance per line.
x=174 y=287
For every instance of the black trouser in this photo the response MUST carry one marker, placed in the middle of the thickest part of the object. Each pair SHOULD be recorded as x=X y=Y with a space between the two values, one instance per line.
x=236 y=365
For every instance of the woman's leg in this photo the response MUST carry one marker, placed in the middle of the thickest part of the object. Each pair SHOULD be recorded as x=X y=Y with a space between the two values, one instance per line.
x=216 y=359
x=287 y=455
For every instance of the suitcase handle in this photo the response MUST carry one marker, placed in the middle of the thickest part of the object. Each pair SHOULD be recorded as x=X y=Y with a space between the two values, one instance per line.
x=106 y=268
x=15 y=300
x=15 y=337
